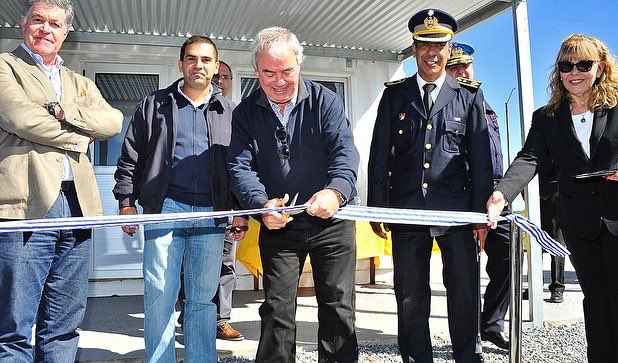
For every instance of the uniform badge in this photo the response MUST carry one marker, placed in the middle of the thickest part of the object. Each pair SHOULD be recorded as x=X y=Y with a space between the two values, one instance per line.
x=402 y=116
x=430 y=20
x=82 y=93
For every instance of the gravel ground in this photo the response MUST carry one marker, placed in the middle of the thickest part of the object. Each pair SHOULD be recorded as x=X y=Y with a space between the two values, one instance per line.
x=550 y=344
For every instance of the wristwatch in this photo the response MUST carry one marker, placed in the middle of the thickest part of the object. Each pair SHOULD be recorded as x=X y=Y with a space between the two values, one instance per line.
x=340 y=196
x=51 y=108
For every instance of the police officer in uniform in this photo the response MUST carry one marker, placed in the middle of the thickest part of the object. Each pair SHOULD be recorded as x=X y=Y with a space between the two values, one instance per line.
x=430 y=150
x=496 y=302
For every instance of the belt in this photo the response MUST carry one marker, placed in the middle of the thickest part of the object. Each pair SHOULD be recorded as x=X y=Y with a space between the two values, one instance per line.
x=67 y=185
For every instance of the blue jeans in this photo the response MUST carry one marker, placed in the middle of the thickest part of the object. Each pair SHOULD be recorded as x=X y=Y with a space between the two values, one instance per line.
x=199 y=243
x=43 y=281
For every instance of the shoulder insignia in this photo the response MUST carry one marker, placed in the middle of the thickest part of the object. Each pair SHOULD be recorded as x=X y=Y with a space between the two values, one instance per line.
x=468 y=82
x=394 y=83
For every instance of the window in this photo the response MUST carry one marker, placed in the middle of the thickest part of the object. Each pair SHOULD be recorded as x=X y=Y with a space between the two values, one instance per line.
x=123 y=91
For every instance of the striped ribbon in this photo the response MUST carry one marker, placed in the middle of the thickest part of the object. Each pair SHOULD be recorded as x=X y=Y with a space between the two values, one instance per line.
x=351 y=212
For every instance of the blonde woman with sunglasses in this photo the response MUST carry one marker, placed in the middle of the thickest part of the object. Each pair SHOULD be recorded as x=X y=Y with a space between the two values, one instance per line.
x=578 y=129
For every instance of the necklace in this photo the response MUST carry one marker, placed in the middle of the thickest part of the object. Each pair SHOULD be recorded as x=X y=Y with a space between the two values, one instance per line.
x=583 y=120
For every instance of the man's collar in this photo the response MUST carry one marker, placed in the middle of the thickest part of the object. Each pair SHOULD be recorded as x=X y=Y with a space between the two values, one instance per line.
x=438 y=82
x=198 y=103
x=39 y=60
x=289 y=105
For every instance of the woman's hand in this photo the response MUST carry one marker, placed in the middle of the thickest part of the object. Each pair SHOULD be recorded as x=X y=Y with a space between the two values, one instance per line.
x=495 y=206
x=613 y=177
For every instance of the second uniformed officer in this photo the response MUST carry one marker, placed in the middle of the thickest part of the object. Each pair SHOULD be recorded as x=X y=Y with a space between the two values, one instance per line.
x=430 y=150
x=496 y=303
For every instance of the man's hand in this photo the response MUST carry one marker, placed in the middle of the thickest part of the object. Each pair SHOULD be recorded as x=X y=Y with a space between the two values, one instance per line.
x=377 y=229
x=613 y=177
x=276 y=220
x=130 y=230
x=480 y=232
x=239 y=224
x=495 y=206
x=323 y=204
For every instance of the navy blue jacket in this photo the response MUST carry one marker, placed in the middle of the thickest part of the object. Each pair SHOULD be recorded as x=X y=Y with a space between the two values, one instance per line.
x=494 y=141
x=440 y=162
x=145 y=164
x=322 y=151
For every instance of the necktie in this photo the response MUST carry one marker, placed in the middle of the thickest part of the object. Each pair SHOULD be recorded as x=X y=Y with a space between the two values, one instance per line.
x=427 y=100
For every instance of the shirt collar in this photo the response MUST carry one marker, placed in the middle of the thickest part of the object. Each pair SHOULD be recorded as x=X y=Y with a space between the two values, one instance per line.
x=39 y=60
x=288 y=107
x=438 y=82
x=197 y=103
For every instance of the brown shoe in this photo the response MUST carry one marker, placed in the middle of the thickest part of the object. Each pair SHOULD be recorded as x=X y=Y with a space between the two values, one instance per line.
x=226 y=332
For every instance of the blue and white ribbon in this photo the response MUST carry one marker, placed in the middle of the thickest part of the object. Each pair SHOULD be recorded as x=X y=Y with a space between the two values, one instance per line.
x=351 y=212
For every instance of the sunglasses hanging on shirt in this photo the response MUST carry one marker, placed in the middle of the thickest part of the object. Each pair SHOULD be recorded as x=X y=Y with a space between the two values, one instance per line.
x=281 y=134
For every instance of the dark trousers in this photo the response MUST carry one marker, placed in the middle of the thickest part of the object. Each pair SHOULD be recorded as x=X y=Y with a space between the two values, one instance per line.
x=549 y=223
x=496 y=300
x=597 y=272
x=44 y=281
x=332 y=251
x=223 y=298
x=411 y=259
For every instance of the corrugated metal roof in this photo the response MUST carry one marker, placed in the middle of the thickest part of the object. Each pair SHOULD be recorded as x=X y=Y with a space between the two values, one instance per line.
x=370 y=25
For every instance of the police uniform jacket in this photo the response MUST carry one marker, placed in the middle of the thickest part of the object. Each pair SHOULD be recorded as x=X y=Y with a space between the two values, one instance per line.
x=440 y=161
x=583 y=203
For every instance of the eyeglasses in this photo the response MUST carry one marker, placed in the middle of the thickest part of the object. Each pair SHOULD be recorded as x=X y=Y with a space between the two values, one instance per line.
x=582 y=66
x=281 y=134
x=223 y=77
x=237 y=229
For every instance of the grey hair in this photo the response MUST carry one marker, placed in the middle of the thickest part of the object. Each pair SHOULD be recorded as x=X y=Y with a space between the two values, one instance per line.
x=276 y=41
x=62 y=4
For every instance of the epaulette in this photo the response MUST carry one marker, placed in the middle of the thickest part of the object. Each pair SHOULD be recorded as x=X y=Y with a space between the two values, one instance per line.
x=394 y=83
x=469 y=82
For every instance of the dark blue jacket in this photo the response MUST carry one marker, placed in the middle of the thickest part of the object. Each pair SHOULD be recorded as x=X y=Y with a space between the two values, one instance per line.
x=145 y=164
x=494 y=141
x=439 y=162
x=322 y=151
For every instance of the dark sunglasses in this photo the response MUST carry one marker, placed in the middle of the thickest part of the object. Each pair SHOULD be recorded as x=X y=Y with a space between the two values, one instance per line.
x=582 y=66
x=281 y=134
x=238 y=229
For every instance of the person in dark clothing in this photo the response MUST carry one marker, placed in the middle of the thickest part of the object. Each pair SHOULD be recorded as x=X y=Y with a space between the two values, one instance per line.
x=496 y=300
x=548 y=190
x=578 y=130
x=174 y=160
x=430 y=150
x=292 y=136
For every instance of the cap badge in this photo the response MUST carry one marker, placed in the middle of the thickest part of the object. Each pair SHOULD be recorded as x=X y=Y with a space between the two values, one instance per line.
x=457 y=52
x=430 y=20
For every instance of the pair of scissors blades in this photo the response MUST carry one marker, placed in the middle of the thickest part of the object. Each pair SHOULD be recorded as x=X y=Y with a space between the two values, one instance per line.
x=293 y=204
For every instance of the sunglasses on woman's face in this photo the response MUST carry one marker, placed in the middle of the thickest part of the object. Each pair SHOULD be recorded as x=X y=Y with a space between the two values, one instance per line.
x=582 y=66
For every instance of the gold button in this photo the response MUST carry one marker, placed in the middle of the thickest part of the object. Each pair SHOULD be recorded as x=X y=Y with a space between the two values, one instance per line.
x=400 y=132
x=429 y=126
x=425 y=185
x=426 y=165
x=428 y=146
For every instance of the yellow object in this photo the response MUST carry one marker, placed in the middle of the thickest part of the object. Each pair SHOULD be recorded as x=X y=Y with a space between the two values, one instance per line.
x=367 y=245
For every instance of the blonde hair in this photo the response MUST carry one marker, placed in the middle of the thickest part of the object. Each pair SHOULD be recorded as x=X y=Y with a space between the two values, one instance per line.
x=604 y=92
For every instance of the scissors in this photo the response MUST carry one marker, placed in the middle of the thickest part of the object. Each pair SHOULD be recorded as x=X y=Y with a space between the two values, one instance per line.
x=286 y=214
